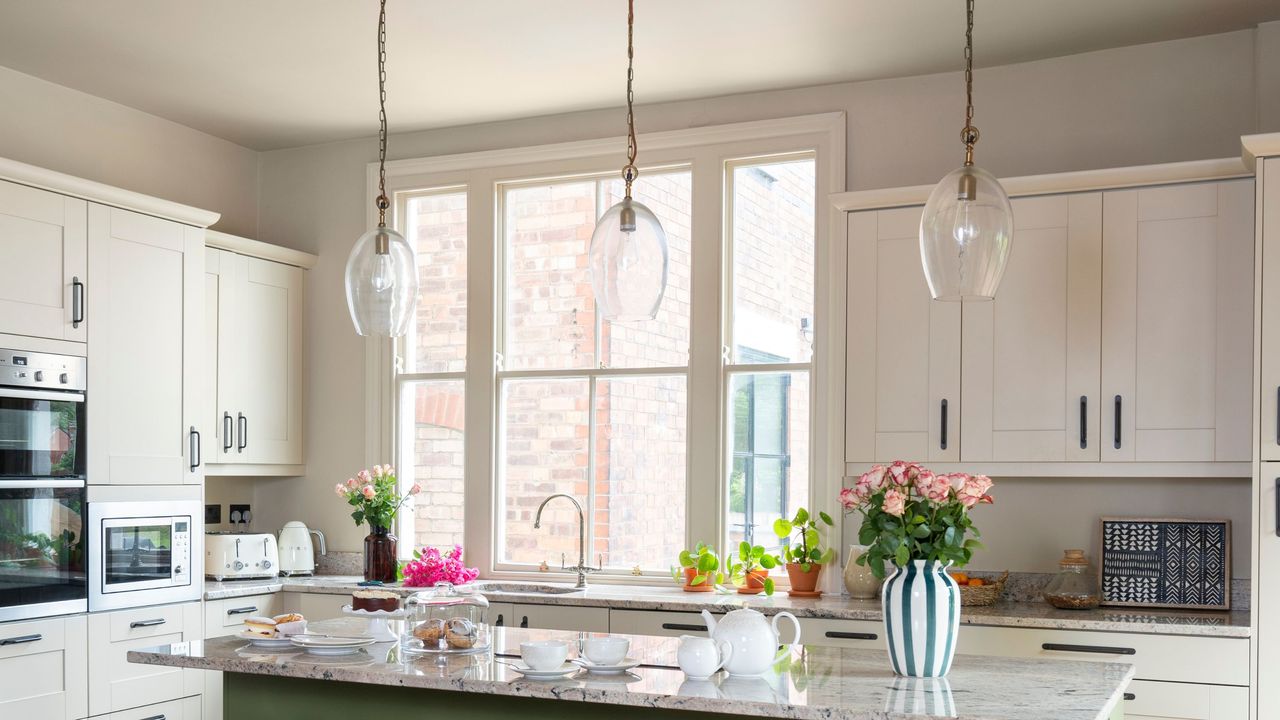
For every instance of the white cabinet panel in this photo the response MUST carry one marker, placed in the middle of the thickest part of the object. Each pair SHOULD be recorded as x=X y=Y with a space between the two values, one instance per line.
x=43 y=672
x=315 y=606
x=184 y=709
x=1177 y=331
x=561 y=617
x=1031 y=357
x=145 y=346
x=1267 y=621
x=499 y=614
x=1268 y=198
x=43 y=263
x=654 y=622
x=1185 y=701
x=903 y=375
x=117 y=684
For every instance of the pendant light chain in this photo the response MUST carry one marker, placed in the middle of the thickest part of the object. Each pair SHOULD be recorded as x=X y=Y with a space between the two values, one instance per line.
x=629 y=171
x=969 y=135
x=382 y=202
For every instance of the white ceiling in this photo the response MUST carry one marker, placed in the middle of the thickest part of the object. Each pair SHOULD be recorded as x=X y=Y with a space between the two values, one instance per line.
x=282 y=73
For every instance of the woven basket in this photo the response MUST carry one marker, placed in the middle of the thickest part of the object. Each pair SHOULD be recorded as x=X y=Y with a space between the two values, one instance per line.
x=979 y=595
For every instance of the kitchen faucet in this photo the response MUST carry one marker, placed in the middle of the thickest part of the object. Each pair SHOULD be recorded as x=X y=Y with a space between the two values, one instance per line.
x=582 y=568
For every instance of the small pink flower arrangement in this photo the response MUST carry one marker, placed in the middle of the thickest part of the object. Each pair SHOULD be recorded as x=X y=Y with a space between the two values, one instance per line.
x=375 y=495
x=910 y=513
x=430 y=566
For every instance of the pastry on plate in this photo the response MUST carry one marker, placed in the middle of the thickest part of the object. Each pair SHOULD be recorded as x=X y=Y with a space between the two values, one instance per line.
x=261 y=626
x=460 y=633
x=290 y=624
x=375 y=600
x=430 y=632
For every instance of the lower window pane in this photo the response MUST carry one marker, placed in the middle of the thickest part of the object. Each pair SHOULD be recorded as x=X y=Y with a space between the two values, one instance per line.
x=769 y=460
x=432 y=441
x=640 y=470
x=544 y=451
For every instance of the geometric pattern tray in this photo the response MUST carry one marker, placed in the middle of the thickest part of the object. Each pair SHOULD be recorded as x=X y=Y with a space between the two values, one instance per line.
x=1164 y=562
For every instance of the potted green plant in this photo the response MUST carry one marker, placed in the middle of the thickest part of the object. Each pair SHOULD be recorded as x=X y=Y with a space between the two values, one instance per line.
x=804 y=555
x=750 y=573
x=699 y=569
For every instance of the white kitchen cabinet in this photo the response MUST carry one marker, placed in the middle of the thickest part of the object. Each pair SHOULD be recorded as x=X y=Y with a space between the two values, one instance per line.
x=1266 y=599
x=903 y=352
x=43 y=669
x=560 y=617
x=1268 y=200
x=145 y=344
x=43 y=263
x=655 y=622
x=499 y=614
x=253 y=322
x=1147 y=700
x=1177 y=322
x=184 y=709
x=1031 y=357
x=226 y=617
x=315 y=606
x=115 y=683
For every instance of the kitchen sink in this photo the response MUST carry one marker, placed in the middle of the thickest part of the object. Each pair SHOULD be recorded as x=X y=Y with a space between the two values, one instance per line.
x=530 y=588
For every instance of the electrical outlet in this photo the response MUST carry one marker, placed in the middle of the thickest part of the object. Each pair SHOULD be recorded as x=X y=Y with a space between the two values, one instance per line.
x=240 y=514
x=212 y=514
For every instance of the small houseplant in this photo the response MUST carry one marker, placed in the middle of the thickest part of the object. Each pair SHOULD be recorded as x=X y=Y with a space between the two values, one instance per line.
x=699 y=569
x=804 y=555
x=918 y=522
x=750 y=572
x=375 y=495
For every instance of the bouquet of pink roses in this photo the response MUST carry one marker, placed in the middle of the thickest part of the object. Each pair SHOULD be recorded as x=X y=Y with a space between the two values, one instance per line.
x=430 y=566
x=910 y=513
x=375 y=495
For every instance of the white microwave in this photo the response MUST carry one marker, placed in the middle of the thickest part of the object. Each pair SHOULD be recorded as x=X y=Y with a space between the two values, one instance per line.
x=141 y=553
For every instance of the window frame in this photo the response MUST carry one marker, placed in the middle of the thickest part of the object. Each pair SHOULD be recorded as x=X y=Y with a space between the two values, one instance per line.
x=710 y=152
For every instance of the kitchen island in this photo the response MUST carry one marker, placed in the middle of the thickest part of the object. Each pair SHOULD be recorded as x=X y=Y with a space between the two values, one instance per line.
x=808 y=682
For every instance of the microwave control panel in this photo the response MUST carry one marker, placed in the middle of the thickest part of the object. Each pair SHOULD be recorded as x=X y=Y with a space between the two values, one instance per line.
x=181 y=550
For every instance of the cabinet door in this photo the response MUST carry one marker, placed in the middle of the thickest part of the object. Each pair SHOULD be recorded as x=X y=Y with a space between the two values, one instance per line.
x=146 y=345
x=1031 y=357
x=43 y=666
x=500 y=614
x=1266 y=640
x=561 y=617
x=43 y=266
x=268 y=383
x=1268 y=199
x=903 y=382
x=220 y=272
x=1177 y=331
x=117 y=684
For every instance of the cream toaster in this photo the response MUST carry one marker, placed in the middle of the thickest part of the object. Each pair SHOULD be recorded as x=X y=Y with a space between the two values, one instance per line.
x=239 y=556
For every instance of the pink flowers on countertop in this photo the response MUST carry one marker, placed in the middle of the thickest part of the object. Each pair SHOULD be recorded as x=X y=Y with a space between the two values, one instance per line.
x=430 y=566
x=375 y=495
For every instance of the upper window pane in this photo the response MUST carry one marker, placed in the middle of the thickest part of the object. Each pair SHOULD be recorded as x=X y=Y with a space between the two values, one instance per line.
x=773 y=271
x=436 y=226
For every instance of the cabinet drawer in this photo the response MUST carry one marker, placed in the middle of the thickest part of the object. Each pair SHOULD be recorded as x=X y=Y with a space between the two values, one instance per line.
x=1185 y=701
x=861 y=634
x=42 y=669
x=115 y=683
x=184 y=709
x=1223 y=661
x=651 y=622
x=226 y=617
x=315 y=606
x=500 y=614
x=561 y=617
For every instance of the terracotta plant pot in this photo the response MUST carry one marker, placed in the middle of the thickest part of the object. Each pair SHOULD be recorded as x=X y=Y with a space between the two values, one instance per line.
x=689 y=574
x=804 y=583
x=754 y=584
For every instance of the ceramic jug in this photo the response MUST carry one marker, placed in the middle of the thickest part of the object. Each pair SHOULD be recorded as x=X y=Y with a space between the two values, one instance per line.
x=752 y=639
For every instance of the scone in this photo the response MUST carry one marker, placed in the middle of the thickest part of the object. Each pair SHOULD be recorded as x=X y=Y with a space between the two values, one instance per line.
x=430 y=632
x=461 y=633
x=375 y=600
x=262 y=626
x=290 y=624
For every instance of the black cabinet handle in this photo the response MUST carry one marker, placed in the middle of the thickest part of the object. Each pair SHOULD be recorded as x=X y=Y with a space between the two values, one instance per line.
x=1099 y=649
x=499 y=622
x=21 y=639
x=77 y=302
x=684 y=627
x=194 y=439
x=1084 y=421
x=1278 y=415
x=1117 y=423
x=524 y=621
x=839 y=635
x=155 y=717
x=243 y=610
x=943 y=438
x=243 y=423
x=1130 y=696
x=227 y=430
x=1278 y=507
x=146 y=623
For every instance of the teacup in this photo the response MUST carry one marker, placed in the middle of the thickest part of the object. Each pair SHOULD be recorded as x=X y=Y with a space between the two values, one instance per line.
x=604 y=650
x=544 y=654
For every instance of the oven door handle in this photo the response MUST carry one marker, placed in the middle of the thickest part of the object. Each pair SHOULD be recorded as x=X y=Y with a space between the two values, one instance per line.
x=25 y=394
x=21 y=484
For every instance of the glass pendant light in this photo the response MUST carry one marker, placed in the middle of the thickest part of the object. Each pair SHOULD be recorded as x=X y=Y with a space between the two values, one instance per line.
x=967 y=226
x=382 y=271
x=628 y=255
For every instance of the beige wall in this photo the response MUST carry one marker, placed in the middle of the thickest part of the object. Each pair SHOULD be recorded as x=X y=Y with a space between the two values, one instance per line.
x=61 y=129
x=1180 y=100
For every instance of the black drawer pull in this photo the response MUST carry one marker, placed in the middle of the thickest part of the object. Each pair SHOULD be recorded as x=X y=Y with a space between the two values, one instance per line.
x=524 y=621
x=1099 y=649
x=1130 y=696
x=1278 y=507
x=22 y=639
x=77 y=302
x=194 y=450
x=1084 y=422
x=1117 y=423
x=942 y=444
x=242 y=610
x=839 y=635
x=684 y=627
x=499 y=622
x=155 y=717
x=146 y=623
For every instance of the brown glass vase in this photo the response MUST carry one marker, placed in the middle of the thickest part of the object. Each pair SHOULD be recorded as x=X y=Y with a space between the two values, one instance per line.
x=380 y=555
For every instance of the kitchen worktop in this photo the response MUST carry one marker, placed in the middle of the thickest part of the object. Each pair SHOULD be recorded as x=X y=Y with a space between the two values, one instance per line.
x=838 y=607
x=814 y=682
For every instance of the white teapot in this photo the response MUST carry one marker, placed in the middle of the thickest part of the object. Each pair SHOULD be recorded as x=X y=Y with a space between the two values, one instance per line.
x=752 y=639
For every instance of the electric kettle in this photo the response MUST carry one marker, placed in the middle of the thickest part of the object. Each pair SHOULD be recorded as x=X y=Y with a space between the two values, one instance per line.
x=297 y=554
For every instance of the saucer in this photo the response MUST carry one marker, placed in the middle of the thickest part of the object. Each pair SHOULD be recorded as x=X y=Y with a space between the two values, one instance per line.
x=563 y=671
x=273 y=643
x=599 y=669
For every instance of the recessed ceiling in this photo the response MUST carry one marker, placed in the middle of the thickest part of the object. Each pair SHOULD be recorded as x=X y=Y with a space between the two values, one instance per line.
x=281 y=73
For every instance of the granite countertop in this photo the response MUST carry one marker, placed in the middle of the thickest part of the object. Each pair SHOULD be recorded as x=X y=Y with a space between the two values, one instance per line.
x=815 y=682
x=836 y=607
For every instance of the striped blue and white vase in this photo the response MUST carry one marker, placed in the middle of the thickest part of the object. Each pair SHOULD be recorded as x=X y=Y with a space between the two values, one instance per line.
x=921 y=605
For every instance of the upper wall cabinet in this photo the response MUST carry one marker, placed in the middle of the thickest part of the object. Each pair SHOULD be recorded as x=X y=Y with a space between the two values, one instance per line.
x=253 y=326
x=145 y=348
x=43 y=263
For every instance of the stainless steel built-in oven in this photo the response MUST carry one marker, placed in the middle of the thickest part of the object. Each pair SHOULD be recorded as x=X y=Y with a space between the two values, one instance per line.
x=143 y=553
x=43 y=553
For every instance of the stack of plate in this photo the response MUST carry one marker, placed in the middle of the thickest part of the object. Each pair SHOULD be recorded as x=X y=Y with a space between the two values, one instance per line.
x=330 y=645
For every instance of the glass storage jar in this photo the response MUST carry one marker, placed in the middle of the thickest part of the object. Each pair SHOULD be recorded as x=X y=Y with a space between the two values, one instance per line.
x=446 y=619
x=1075 y=587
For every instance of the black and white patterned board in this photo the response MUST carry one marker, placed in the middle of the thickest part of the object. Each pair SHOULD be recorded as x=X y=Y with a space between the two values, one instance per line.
x=1166 y=563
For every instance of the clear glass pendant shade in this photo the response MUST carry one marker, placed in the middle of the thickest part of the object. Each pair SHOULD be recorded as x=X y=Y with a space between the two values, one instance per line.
x=628 y=260
x=382 y=283
x=965 y=234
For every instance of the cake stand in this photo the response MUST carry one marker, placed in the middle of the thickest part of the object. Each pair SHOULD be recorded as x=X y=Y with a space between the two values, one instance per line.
x=378 y=628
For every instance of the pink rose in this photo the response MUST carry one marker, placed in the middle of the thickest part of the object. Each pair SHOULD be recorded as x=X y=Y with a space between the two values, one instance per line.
x=898 y=472
x=388 y=471
x=894 y=502
x=875 y=477
x=363 y=476
x=352 y=483
x=340 y=490
x=849 y=499
x=415 y=489
x=974 y=490
x=368 y=492
x=377 y=471
x=934 y=487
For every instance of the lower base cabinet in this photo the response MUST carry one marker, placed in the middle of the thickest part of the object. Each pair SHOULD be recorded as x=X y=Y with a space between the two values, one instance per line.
x=560 y=617
x=43 y=669
x=315 y=606
x=183 y=709
x=1150 y=700
x=115 y=684
x=226 y=617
